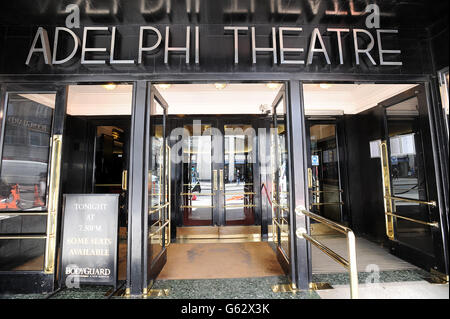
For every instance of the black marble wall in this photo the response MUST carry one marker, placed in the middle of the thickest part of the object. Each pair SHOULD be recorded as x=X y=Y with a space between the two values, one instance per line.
x=20 y=19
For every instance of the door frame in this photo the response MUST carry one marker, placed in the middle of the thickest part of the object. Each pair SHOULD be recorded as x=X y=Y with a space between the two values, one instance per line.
x=440 y=245
x=299 y=270
x=176 y=209
x=284 y=260
x=253 y=122
x=41 y=281
x=113 y=120
x=152 y=267
x=338 y=122
x=218 y=122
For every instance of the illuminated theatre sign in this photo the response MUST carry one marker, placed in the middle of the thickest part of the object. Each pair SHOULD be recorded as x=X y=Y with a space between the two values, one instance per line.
x=363 y=43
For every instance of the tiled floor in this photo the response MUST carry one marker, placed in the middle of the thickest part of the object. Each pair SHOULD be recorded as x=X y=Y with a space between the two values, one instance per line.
x=391 y=285
x=369 y=256
x=391 y=290
x=236 y=288
x=220 y=260
x=381 y=275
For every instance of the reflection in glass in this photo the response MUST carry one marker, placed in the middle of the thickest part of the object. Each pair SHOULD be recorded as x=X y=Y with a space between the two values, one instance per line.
x=408 y=176
x=326 y=194
x=157 y=186
x=23 y=178
x=238 y=175
x=198 y=189
x=280 y=186
x=25 y=157
x=22 y=254
x=445 y=93
x=109 y=159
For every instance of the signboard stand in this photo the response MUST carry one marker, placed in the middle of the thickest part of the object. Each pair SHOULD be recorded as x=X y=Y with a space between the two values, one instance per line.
x=89 y=243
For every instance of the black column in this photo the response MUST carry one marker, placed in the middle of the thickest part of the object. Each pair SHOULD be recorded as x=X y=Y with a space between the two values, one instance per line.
x=300 y=248
x=135 y=258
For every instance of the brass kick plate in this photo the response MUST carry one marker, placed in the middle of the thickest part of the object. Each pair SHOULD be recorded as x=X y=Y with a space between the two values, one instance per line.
x=158 y=293
x=320 y=286
x=284 y=288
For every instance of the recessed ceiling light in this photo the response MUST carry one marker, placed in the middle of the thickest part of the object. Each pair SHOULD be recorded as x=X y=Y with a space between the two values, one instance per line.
x=273 y=86
x=110 y=86
x=325 y=86
x=220 y=86
x=164 y=86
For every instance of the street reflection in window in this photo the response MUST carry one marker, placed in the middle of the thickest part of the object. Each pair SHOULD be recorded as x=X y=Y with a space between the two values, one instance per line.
x=25 y=152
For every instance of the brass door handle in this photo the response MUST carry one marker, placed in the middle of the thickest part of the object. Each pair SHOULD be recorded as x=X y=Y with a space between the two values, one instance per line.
x=215 y=179
x=221 y=179
x=124 y=179
x=310 y=178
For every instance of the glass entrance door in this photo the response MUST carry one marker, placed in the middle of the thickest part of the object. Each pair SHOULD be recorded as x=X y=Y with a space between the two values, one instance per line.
x=199 y=174
x=238 y=189
x=218 y=173
x=325 y=186
x=280 y=179
x=157 y=217
x=412 y=215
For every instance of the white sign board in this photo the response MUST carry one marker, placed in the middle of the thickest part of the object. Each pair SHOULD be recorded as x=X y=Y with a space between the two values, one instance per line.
x=375 y=149
x=315 y=160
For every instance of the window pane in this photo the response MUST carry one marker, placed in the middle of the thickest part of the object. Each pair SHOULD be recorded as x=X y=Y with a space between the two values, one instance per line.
x=26 y=148
x=22 y=254
x=238 y=173
x=280 y=166
x=326 y=194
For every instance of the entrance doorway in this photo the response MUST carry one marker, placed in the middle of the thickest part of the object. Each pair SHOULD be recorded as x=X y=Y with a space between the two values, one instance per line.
x=96 y=148
x=218 y=173
x=218 y=135
x=371 y=168
x=214 y=150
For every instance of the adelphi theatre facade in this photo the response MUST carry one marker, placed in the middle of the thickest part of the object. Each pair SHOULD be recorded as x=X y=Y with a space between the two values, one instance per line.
x=144 y=140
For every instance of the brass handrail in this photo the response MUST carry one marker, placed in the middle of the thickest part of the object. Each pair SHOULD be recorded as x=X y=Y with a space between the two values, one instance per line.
x=411 y=200
x=329 y=203
x=13 y=237
x=349 y=264
x=328 y=251
x=159 y=229
x=280 y=206
x=432 y=224
x=154 y=224
x=282 y=220
x=23 y=213
x=158 y=208
x=318 y=192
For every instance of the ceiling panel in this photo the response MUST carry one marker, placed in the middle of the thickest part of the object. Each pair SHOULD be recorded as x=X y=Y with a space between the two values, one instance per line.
x=348 y=98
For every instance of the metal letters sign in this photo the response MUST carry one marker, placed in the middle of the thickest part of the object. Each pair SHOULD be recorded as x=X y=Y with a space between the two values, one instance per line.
x=279 y=50
x=89 y=240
